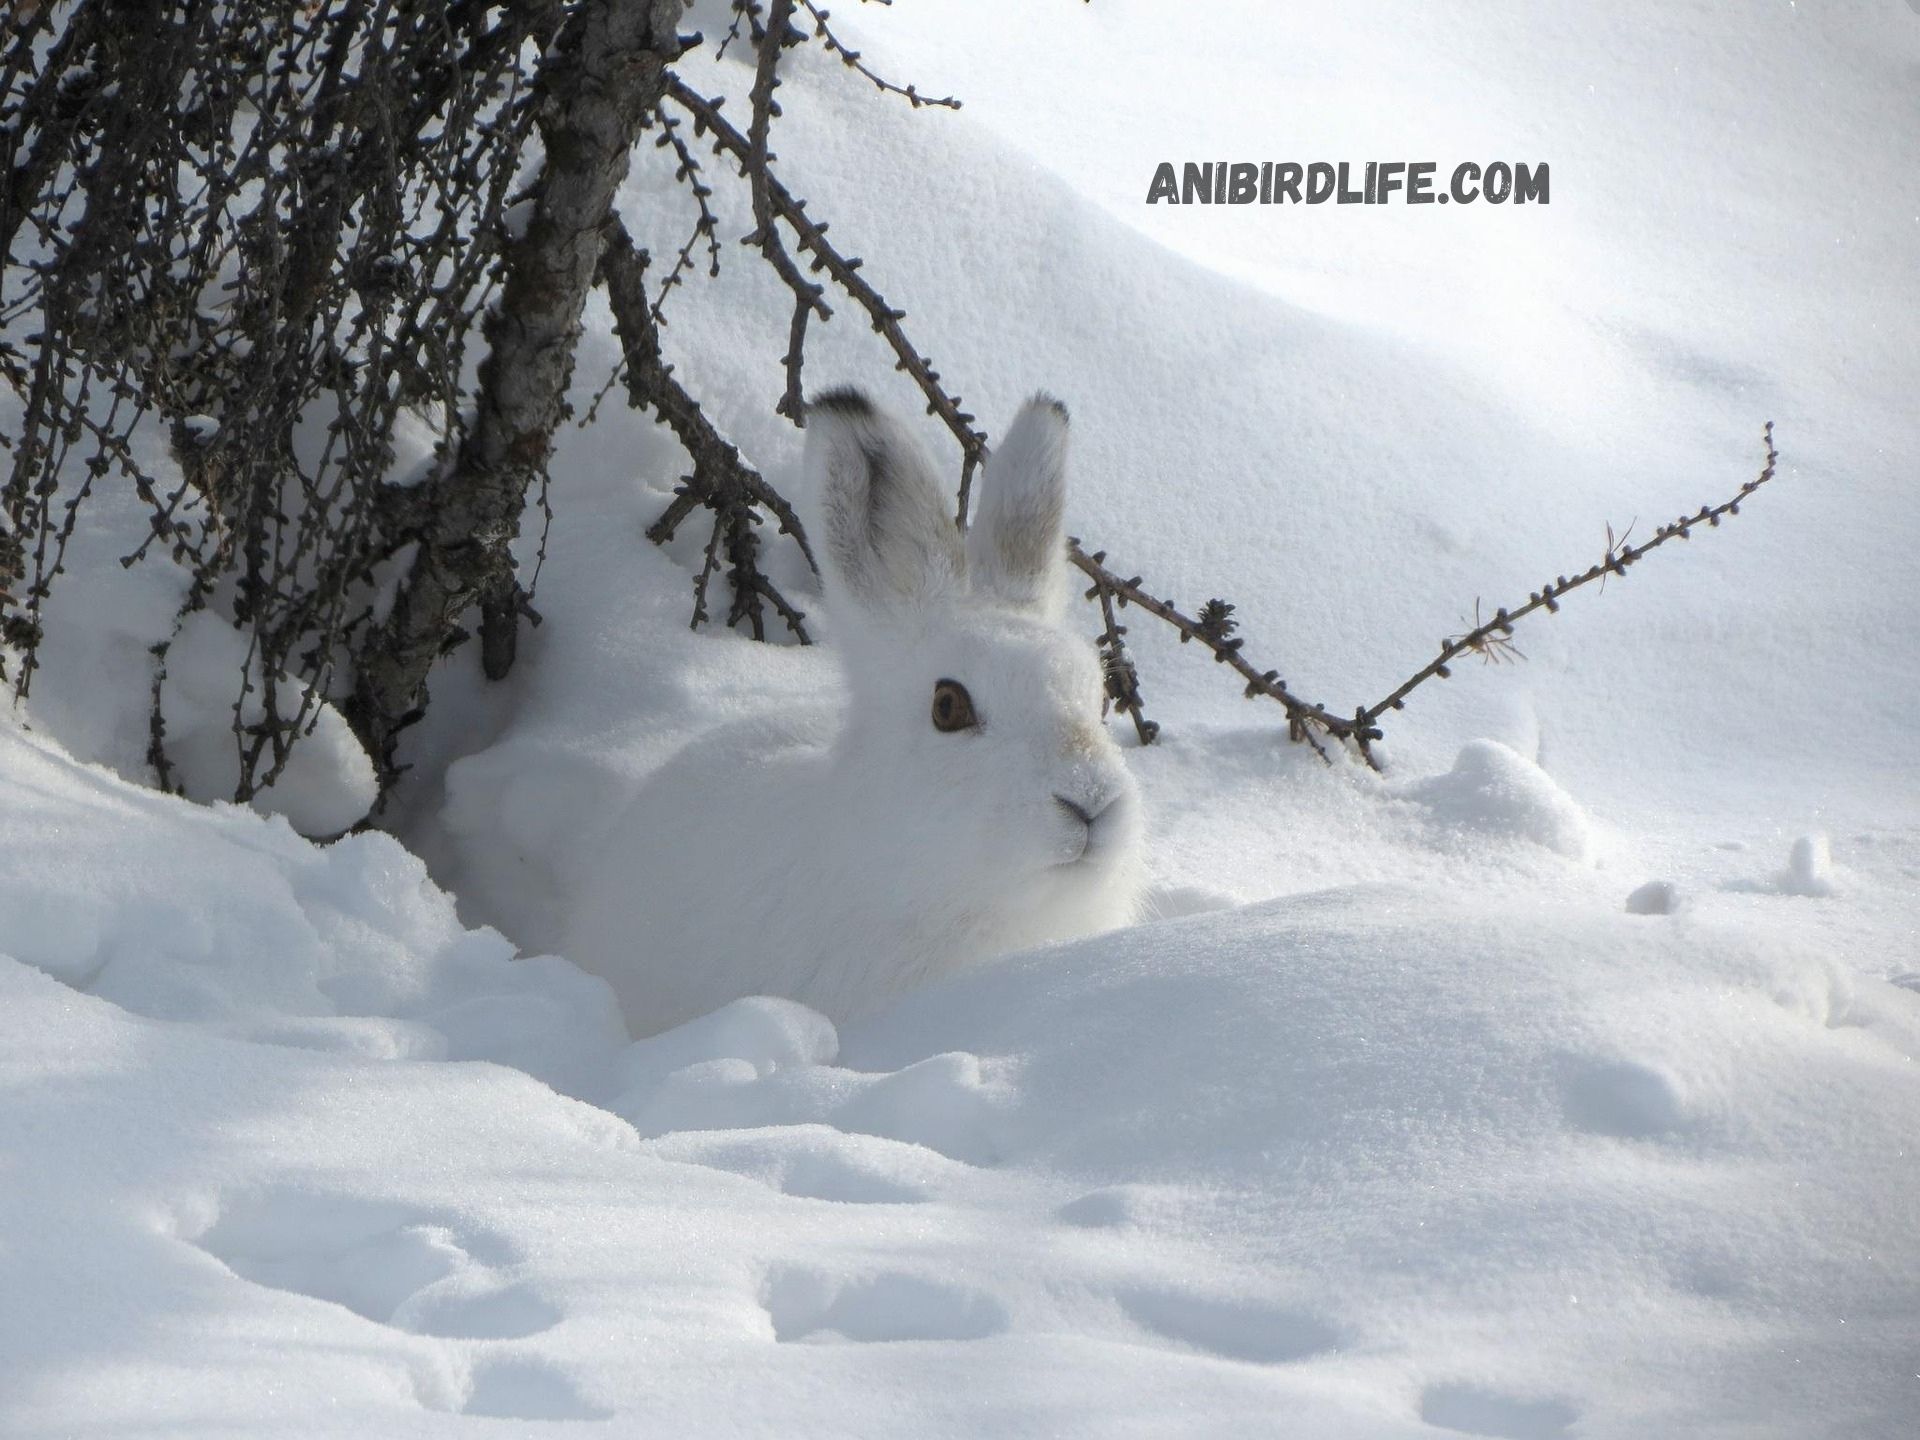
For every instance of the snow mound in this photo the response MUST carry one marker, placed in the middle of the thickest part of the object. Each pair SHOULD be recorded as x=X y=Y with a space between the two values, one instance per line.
x=1809 y=868
x=946 y=1103
x=223 y=918
x=761 y=1033
x=327 y=785
x=1497 y=791
x=1656 y=897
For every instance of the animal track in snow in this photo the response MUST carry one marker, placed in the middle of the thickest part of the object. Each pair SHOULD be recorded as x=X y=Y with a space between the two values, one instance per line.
x=1115 y=1206
x=807 y=1305
x=1656 y=897
x=816 y=1162
x=516 y=1388
x=384 y=1262
x=943 y=1102
x=949 y=1103
x=477 y=1312
x=1230 y=1329
x=1473 y=1411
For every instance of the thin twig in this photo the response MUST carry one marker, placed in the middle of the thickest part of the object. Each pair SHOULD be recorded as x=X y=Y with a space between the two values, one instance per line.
x=851 y=59
x=1123 y=680
x=687 y=172
x=845 y=271
x=1305 y=722
x=1548 y=597
x=774 y=37
x=721 y=479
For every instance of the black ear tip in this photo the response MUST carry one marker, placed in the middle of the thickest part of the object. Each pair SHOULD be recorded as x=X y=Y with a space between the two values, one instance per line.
x=1053 y=403
x=842 y=400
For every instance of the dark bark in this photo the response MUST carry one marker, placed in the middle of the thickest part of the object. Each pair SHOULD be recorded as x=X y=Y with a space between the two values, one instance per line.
x=608 y=72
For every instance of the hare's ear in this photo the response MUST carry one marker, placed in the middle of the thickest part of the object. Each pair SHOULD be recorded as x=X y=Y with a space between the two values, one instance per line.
x=888 y=536
x=1016 y=546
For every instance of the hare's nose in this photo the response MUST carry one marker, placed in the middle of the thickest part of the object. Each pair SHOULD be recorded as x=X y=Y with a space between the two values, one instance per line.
x=1080 y=812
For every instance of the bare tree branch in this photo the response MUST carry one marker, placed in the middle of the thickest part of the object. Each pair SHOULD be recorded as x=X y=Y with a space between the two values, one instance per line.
x=845 y=272
x=1122 y=679
x=1490 y=639
x=721 y=480
x=688 y=174
x=1485 y=639
x=774 y=37
x=1304 y=721
x=851 y=59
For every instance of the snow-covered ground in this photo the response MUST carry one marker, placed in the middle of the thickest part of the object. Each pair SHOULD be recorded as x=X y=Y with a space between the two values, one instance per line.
x=1558 y=1082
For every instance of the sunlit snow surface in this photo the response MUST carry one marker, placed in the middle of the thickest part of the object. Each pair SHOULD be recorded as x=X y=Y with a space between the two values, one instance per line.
x=1558 y=1082
x=1487 y=1153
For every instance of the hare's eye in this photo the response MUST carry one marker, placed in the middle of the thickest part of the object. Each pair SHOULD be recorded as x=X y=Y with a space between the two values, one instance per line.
x=952 y=707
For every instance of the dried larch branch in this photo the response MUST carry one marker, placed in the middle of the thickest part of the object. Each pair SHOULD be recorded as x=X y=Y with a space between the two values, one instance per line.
x=721 y=481
x=1487 y=638
x=845 y=272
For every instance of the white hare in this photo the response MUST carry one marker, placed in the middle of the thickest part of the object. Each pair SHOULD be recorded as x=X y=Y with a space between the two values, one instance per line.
x=968 y=801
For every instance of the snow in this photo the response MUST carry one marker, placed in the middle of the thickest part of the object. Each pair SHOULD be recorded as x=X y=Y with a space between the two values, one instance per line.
x=207 y=916
x=326 y=785
x=1496 y=790
x=1809 y=867
x=1558 y=1081
x=1656 y=897
x=1365 y=1159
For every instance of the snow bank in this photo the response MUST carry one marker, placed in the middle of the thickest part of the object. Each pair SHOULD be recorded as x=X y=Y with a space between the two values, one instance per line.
x=1494 y=790
x=1355 y=1163
x=221 y=919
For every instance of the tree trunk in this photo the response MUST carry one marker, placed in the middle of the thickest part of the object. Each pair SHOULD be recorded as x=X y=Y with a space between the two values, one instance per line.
x=605 y=75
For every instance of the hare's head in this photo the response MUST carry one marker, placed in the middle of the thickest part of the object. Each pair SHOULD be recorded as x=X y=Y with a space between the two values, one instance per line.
x=975 y=717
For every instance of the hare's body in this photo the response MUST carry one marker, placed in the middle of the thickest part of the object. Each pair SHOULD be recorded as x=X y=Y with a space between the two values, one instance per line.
x=965 y=803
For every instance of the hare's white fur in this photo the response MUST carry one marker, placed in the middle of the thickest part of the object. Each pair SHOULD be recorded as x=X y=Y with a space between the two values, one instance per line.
x=840 y=860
